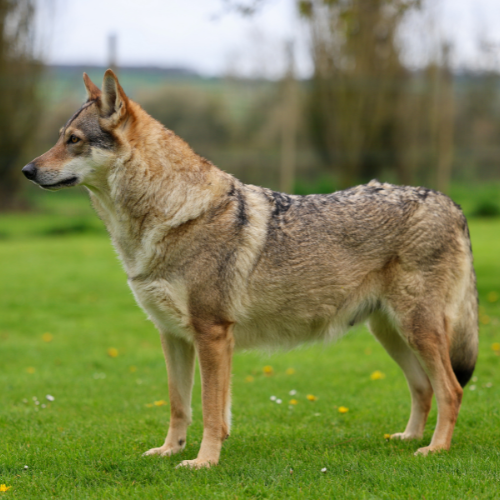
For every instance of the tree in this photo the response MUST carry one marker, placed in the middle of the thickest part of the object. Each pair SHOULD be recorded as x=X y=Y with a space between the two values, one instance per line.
x=369 y=114
x=358 y=90
x=19 y=101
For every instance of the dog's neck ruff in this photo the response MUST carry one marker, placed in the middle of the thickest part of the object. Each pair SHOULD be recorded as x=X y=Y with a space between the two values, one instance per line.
x=145 y=198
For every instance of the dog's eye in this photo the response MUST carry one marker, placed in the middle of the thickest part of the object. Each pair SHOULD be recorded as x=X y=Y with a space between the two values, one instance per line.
x=74 y=139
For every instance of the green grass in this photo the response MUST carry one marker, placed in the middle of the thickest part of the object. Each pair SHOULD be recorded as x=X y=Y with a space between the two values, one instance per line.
x=88 y=442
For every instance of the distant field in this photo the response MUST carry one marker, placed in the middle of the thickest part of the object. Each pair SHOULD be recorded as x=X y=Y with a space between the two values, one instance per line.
x=61 y=83
x=64 y=304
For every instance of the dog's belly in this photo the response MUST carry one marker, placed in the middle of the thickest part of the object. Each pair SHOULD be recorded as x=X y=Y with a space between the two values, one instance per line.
x=286 y=332
x=166 y=305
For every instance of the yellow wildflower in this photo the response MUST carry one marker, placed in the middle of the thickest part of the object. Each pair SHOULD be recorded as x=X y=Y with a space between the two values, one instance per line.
x=160 y=403
x=249 y=378
x=485 y=320
x=112 y=352
x=343 y=409
x=133 y=369
x=149 y=405
x=268 y=370
x=387 y=436
x=47 y=337
x=30 y=370
x=4 y=488
x=377 y=375
x=293 y=401
x=310 y=397
x=493 y=296
x=290 y=371
x=496 y=346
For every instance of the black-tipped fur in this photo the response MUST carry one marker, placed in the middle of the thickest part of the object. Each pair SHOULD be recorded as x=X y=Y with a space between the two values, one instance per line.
x=463 y=374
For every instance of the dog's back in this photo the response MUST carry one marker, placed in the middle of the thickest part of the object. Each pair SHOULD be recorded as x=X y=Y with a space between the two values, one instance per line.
x=328 y=261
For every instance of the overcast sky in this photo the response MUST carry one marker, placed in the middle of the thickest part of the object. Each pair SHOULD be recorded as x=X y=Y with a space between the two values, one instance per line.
x=199 y=34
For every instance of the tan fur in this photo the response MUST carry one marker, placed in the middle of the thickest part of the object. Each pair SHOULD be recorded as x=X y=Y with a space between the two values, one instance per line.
x=219 y=265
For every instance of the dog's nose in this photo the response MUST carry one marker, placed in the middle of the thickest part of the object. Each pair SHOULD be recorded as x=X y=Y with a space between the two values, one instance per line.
x=29 y=171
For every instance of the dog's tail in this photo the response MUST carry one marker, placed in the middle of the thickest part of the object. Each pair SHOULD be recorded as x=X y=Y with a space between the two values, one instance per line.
x=465 y=337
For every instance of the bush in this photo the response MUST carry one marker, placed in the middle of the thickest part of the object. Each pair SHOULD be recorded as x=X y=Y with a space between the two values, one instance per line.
x=486 y=208
x=198 y=117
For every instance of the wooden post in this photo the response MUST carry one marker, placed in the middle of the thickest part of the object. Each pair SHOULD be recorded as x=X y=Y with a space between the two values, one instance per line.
x=288 y=124
x=445 y=125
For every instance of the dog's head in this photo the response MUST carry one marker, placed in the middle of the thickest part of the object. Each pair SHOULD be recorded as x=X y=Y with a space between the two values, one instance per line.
x=89 y=142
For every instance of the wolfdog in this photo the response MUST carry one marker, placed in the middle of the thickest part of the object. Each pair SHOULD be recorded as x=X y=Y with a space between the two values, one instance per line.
x=218 y=265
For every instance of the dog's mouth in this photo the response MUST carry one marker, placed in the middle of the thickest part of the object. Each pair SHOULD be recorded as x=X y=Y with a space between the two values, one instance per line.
x=65 y=183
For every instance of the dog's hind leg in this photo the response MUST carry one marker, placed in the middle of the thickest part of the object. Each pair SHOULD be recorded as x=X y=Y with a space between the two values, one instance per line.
x=214 y=345
x=180 y=360
x=418 y=382
x=425 y=330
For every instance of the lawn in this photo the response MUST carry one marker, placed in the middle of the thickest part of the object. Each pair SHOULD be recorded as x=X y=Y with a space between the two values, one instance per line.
x=69 y=328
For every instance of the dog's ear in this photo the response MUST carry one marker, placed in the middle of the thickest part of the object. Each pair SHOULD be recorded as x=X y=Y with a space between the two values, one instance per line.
x=114 y=102
x=93 y=91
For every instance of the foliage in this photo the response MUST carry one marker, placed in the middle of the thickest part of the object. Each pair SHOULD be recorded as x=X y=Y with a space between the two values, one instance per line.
x=487 y=208
x=477 y=126
x=199 y=118
x=237 y=125
x=477 y=199
x=369 y=114
x=246 y=8
x=322 y=185
x=19 y=101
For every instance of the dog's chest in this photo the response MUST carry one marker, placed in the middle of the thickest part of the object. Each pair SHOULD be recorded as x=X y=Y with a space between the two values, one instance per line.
x=166 y=304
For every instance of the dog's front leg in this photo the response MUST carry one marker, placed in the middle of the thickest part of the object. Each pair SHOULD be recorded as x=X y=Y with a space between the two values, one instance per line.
x=214 y=344
x=180 y=359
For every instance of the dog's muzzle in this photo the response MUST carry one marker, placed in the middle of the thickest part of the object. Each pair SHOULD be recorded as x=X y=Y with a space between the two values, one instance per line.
x=29 y=171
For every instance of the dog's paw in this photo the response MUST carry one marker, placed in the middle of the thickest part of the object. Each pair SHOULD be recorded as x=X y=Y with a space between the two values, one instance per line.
x=428 y=449
x=405 y=436
x=164 y=451
x=197 y=464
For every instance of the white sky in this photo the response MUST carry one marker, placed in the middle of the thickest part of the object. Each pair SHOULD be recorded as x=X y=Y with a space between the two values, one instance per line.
x=199 y=35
